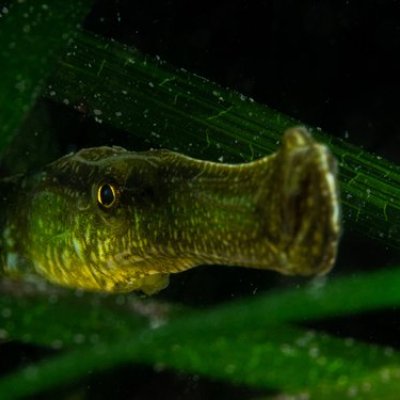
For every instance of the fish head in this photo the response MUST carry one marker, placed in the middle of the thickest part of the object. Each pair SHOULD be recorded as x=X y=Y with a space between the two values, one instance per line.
x=88 y=220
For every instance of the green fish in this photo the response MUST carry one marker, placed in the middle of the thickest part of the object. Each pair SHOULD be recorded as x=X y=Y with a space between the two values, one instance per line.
x=111 y=220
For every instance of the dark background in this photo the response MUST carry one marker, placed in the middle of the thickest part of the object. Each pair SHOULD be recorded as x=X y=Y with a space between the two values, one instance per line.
x=331 y=63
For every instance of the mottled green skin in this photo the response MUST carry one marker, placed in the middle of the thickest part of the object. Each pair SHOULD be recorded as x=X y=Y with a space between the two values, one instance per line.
x=172 y=213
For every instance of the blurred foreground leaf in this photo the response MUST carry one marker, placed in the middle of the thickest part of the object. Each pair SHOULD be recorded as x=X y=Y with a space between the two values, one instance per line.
x=64 y=314
x=248 y=341
x=278 y=356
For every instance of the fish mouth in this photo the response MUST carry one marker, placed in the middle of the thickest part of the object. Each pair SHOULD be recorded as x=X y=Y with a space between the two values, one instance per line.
x=310 y=211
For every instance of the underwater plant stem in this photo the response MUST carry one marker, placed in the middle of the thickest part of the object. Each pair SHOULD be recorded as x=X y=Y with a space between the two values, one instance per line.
x=175 y=109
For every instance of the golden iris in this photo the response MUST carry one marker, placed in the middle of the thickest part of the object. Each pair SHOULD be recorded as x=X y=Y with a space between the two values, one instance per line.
x=106 y=195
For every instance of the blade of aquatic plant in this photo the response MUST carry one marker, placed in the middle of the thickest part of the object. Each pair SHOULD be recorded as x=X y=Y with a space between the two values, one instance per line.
x=23 y=317
x=32 y=35
x=323 y=298
x=241 y=338
x=383 y=383
x=60 y=318
x=173 y=108
x=280 y=357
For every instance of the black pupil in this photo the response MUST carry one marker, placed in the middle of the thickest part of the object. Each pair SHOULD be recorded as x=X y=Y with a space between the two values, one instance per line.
x=106 y=195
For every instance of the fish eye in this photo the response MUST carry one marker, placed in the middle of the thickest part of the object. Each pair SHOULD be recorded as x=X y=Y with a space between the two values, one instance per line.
x=106 y=195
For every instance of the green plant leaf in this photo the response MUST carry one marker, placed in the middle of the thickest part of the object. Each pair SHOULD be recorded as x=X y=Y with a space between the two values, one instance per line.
x=178 y=110
x=273 y=356
x=64 y=314
x=247 y=341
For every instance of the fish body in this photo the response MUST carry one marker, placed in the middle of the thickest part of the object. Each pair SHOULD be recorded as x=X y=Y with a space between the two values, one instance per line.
x=112 y=220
